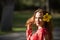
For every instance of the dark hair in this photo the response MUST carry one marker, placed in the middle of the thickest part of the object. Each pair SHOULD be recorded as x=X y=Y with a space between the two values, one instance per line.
x=38 y=10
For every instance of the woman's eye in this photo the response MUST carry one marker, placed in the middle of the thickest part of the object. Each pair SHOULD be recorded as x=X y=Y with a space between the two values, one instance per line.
x=40 y=17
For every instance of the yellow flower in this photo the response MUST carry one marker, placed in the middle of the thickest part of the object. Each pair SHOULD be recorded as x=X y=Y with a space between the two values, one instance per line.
x=47 y=17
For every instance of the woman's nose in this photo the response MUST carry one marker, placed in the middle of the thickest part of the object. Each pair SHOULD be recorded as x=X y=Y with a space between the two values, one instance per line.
x=40 y=19
x=37 y=19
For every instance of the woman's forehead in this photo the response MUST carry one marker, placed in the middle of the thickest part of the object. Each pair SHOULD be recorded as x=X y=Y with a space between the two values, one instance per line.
x=37 y=14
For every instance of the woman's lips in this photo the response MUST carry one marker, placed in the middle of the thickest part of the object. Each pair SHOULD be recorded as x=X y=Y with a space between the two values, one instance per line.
x=37 y=23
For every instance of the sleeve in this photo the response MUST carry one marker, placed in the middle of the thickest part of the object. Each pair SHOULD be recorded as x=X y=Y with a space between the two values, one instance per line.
x=28 y=32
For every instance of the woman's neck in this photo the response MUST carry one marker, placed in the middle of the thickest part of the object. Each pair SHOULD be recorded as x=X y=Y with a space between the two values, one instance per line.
x=40 y=27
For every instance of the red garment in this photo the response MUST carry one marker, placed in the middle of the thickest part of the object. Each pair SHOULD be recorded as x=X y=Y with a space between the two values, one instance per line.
x=39 y=35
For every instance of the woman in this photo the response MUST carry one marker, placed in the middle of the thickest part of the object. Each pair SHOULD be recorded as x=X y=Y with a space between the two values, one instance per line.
x=44 y=31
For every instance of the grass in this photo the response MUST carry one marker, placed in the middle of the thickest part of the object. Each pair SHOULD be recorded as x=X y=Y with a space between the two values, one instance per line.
x=19 y=29
x=4 y=33
x=21 y=17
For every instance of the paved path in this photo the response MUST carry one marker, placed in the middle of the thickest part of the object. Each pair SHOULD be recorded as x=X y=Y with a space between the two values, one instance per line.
x=14 y=36
x=56 y=33
x=21 y=35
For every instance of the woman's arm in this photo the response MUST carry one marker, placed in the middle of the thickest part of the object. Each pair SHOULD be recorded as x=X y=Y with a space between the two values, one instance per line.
x=29 y=32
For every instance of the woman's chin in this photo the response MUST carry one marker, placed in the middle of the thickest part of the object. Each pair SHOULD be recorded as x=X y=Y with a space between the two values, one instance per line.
x=37 y=25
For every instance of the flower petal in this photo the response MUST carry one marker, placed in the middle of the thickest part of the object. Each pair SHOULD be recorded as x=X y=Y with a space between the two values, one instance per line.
x=46 y=13
x=48 y=20
x=47 y=17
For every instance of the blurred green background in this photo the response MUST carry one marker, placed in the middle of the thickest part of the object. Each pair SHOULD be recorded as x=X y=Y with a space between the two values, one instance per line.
x=24 y=9
x=21 y=17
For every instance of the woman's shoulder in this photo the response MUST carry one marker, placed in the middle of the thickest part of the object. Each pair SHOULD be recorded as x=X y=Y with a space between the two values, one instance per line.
x=44 y=29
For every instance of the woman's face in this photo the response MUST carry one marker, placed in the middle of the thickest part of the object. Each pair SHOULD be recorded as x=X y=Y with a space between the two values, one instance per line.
x=38 y=18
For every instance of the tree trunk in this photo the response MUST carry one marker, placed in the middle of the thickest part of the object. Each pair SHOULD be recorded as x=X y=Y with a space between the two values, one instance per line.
x=48 y=9
x=0 y=11
x=1 y=7
x=7 y=16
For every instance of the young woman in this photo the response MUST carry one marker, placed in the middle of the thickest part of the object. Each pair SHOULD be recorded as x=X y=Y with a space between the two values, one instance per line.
x=44 y=31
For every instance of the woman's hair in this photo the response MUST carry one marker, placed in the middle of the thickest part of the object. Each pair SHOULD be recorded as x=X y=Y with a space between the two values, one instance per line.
x=31 y=20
